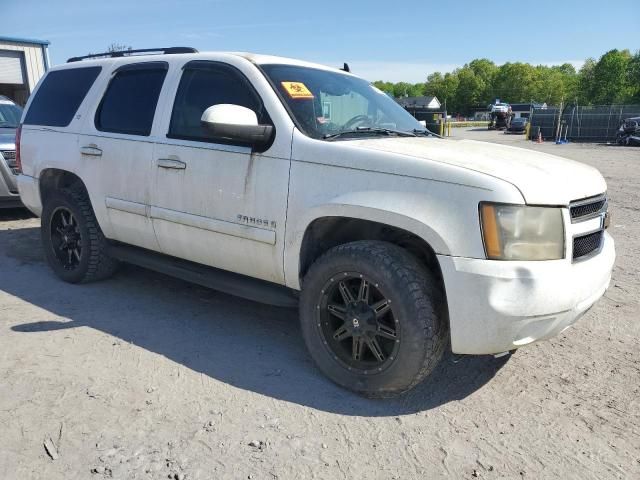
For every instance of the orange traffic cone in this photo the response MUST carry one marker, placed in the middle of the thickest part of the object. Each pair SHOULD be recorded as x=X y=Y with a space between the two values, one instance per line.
x=539 y=140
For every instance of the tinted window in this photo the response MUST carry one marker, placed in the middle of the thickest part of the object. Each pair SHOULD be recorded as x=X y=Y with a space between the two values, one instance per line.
x=129 y=104
x=60 y=95
x=204 y=84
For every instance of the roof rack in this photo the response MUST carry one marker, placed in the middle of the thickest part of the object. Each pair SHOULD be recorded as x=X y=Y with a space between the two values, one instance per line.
x=127 y=53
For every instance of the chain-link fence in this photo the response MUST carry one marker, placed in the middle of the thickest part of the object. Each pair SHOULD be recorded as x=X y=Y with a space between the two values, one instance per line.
x=597 y=123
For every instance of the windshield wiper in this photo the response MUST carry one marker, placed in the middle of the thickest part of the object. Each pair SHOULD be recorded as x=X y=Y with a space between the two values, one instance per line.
x=369 y=130
x=425 y=132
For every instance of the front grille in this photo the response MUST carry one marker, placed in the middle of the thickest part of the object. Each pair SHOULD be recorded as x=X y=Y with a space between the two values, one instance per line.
x=587 y=244
x=586 y=209
x=10 y=158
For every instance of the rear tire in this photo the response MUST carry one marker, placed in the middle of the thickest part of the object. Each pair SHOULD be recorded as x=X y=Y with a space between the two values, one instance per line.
x=73 y=242
x=373 y=318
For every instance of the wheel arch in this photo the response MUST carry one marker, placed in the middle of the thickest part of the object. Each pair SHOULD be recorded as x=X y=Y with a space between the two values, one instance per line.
x=52 y=179
x=326 y=228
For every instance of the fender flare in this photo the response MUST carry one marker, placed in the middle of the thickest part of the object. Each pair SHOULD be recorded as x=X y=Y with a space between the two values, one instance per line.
x=354 y=205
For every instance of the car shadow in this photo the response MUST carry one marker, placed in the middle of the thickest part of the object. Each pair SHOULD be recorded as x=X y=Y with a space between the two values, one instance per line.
x=239 y=342
x=7 y=214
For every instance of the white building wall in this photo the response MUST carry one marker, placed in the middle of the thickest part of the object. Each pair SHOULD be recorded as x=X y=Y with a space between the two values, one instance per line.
x=34 y=61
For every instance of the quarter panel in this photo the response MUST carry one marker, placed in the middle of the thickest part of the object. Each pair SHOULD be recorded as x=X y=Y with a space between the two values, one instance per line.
x=438 y=203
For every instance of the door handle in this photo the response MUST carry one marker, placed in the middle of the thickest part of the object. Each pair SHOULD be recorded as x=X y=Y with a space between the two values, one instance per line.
x=171 y=163
x=91 y=150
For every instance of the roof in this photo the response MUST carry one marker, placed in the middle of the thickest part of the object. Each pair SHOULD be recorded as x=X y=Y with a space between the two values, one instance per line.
x=24 y=40
x=255 y=58
x=416 y=102
x=261 y=59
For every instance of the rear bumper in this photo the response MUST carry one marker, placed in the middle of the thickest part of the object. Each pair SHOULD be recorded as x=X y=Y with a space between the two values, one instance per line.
x=30 y=193
x=498 y=306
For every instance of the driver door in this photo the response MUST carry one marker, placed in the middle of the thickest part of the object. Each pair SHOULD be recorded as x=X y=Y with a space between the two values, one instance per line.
x=215 y=202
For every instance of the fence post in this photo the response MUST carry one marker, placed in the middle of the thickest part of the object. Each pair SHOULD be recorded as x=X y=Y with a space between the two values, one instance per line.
x=619 y=118
x=573 y=113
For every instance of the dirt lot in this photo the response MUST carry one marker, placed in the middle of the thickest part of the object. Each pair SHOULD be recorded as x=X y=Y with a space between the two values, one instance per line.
x=144 y=376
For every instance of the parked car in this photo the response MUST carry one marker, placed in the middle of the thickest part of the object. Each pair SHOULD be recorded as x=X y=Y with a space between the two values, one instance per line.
x=500 y=116
x=10 y=114
x=518 y=125
x=301 y=185
x=629 y=132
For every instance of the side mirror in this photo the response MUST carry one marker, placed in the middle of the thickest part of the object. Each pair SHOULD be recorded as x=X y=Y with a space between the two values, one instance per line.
x=237 y=124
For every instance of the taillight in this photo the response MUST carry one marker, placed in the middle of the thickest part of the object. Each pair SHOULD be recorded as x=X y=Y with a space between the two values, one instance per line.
x=18 y=161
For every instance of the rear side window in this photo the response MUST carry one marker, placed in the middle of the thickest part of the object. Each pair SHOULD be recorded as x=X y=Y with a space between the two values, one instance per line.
x=60 y=95
x=204 y=84
x=129 y=104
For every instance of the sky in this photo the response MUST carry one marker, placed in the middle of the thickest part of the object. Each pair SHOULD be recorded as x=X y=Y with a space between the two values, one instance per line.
x=381 y=40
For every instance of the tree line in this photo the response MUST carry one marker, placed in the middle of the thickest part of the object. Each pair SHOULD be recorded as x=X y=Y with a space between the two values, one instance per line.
x=613 y=79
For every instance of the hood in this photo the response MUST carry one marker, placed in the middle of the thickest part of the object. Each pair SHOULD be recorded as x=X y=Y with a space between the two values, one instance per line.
x=8 y=138
x=543 y=179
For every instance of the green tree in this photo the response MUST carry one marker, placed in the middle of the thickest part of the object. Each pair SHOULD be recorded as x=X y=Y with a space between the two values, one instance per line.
x=515 y=82
x=610 y=83
x=118 y=47
x=470 y=91
x=386 y=87
x=404 y=89
x=613 y=78
x=485 y=71
x=585 y=81
x=442 y=86
x=115 y=47
x=634 y=78
x=555 y=84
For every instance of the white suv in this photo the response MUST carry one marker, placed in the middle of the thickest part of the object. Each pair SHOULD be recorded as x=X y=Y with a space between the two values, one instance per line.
x=298 y=184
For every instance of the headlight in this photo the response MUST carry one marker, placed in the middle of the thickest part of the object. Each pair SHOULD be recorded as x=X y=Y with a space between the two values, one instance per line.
x=514 y=232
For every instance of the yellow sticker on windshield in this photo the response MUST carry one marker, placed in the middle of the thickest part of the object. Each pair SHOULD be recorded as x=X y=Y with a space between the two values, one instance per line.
x=297 y=90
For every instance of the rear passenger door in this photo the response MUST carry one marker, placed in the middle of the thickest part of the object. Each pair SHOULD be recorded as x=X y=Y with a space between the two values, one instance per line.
x=117 y=148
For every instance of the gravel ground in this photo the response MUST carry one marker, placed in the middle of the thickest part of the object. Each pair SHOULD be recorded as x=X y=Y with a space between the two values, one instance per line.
x=144 y=376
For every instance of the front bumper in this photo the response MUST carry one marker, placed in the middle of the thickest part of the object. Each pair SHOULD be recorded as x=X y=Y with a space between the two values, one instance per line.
x=496 y=306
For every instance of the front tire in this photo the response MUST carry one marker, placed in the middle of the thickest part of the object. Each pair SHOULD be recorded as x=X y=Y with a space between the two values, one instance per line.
x=373 y=318
x=73 y=242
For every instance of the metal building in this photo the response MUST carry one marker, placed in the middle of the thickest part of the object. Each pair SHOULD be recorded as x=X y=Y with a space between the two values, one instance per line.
x=22 y=63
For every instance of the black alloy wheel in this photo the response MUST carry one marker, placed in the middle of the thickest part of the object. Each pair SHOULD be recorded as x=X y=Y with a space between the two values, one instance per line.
x=373 y=317
x=73 y=242
x=357 y=323
x=66 y=238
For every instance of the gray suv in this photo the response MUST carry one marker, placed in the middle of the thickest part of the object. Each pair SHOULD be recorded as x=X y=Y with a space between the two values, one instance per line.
x=10 y=114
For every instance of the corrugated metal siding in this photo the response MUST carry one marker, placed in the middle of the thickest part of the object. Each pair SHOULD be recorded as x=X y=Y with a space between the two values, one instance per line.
x=33 y=60
x=11 y=67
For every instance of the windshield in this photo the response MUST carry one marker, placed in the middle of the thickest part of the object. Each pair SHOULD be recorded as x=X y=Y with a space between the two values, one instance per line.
x=9 y=115
x=325 y=103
